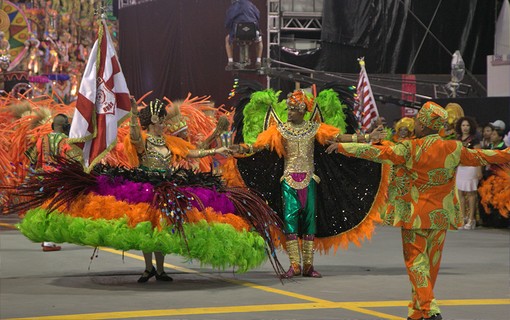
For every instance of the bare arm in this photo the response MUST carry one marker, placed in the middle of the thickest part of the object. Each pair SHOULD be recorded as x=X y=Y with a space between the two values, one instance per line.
x=135 y=134
x=200 y=153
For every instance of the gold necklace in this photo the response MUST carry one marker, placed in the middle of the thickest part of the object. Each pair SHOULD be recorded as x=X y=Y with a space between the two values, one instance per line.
x=298 y=128
x=157 y=141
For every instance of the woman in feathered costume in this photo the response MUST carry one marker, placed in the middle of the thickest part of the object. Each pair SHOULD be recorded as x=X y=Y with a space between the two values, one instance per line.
x=154 y=207
x=334 y=212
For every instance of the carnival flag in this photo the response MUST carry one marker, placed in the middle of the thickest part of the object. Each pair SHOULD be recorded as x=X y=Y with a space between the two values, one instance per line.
x=103 y=102
x=365 y=109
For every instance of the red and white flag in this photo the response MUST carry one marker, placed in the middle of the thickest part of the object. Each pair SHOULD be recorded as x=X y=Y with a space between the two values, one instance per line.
x=365 y=108
x=103 y=102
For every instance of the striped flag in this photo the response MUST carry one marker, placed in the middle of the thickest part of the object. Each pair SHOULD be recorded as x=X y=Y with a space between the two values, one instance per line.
x=103 y=102
x=365 y=108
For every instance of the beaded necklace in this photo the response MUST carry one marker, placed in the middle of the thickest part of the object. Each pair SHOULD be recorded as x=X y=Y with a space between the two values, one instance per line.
x=157 y=141
x=292 y=131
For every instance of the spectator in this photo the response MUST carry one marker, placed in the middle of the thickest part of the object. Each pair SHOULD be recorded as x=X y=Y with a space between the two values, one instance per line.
x=467 y=176
x=497 y=142
x=499 y=124
x=238 y=12
x=485 y=143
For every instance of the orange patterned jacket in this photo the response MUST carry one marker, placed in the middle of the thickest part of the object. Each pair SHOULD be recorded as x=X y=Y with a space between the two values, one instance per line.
x=425 y=196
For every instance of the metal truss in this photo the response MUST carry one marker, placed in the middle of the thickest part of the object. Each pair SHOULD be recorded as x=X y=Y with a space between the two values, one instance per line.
x=301 y=21
x=127 y=3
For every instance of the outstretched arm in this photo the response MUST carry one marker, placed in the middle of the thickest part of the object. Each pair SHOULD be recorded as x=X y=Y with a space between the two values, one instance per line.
x=244 y=149
x=394 y=154
x=200 y=153
x=481 y=157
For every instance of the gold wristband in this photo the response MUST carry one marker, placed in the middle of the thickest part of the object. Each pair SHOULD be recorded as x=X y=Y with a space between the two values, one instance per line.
x=354 y=138
x=338 y=137
x=367 y=137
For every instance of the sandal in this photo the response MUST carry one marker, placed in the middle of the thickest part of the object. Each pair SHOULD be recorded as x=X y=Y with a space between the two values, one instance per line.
x=163 y=277
x=147 y=275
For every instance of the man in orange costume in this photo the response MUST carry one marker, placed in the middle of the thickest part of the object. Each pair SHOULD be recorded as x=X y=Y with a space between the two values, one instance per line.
x=426 y=203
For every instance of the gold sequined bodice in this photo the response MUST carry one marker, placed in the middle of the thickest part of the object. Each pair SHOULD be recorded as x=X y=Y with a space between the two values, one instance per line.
x=299 y=143
x=157 y=155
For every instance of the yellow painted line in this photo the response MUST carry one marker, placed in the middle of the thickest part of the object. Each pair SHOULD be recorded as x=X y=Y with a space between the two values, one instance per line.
x=400 y=303
x=277 y=291
x=373 y=313
x=352 y=306
x=199 y=311
x=479 y=302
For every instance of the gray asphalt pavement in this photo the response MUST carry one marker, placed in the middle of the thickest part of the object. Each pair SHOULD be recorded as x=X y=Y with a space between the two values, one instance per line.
x=369 y=282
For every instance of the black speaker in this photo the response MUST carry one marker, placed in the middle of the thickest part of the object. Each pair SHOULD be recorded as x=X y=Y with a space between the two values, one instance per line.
x=246 y=31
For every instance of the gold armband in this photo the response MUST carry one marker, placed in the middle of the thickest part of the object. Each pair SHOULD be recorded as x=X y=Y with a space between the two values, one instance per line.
x=204 y=153
x=338 y=137
x=354 y=138
x=367 y=137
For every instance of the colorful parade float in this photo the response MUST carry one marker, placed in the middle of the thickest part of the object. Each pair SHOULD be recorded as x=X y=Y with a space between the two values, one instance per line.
x=44 y=46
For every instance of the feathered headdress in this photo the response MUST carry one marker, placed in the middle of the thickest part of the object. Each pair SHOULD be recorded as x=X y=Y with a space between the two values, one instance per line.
x=299 y=101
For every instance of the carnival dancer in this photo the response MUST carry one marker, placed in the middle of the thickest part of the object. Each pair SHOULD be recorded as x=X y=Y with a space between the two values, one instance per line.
x=153 y=207
x=46 y=149
x=154 y=152
x=337 y=214
x=404 y=129
x=427 y=205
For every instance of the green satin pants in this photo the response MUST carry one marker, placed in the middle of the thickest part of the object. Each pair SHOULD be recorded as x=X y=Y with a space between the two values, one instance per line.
x=295 y=218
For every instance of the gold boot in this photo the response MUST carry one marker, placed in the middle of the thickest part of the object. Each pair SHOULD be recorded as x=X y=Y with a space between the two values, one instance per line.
x=308 y=270
x=295 y=259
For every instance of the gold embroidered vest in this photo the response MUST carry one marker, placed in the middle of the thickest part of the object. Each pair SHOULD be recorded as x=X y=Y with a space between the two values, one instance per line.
x=299 y=143
x=157 y=155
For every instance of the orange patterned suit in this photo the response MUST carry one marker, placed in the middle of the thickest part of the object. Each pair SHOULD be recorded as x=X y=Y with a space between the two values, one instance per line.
x=424 y=201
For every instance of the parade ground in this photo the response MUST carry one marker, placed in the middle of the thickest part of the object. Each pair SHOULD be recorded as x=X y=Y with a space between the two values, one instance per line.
x=368 y=282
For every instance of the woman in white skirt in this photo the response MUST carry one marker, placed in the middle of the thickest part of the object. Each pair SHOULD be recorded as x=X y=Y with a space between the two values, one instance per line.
x=468 y=177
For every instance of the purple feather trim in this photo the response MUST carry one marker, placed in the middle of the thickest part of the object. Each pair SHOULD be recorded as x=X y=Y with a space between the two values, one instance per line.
x=137 y=192
x=209 y=198
x=124 y=190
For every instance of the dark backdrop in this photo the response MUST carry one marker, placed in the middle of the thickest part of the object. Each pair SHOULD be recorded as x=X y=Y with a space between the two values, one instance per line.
x=178 y=46
x=388 y=36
